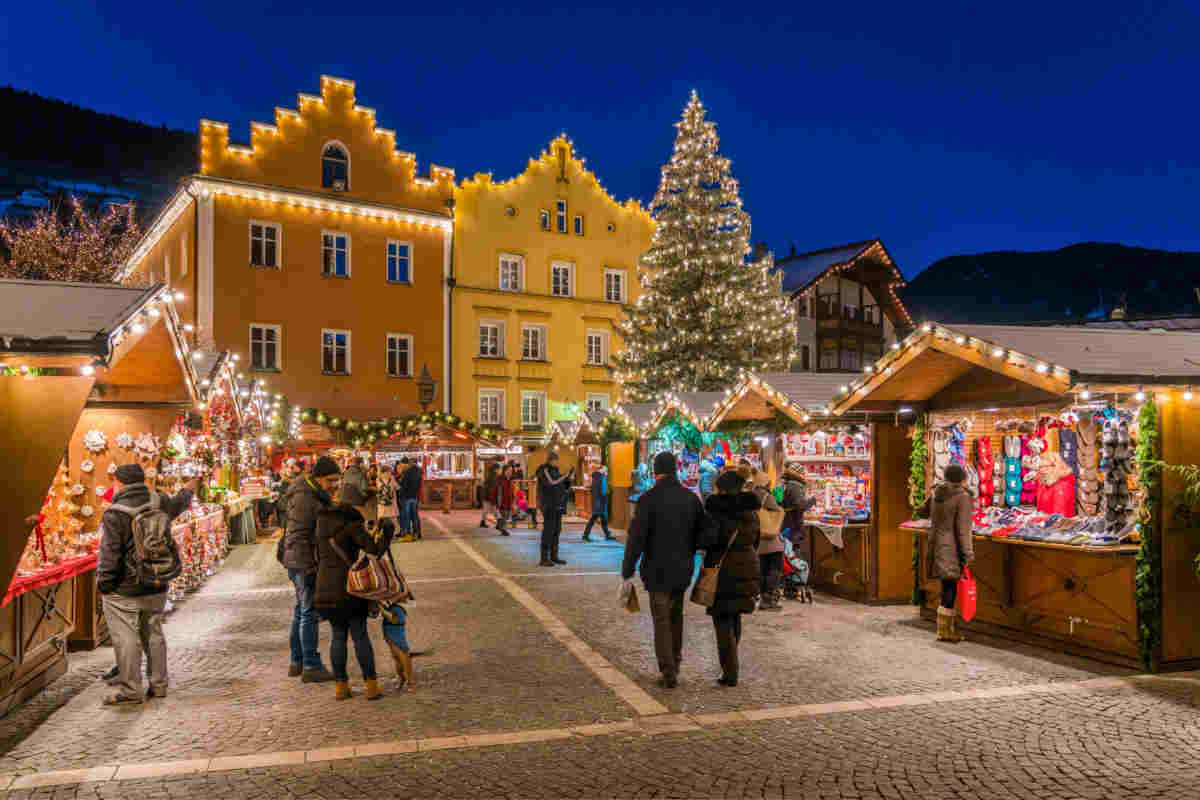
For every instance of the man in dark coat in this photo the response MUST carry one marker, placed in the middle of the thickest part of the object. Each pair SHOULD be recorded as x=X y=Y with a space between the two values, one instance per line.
x=410 y=490
x=307 y=497
x=795 y=502
x=134 y=612
x=552 y=497
x=669 y=526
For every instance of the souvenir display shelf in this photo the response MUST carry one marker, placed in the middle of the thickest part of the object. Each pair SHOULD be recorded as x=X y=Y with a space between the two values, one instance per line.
x=856 y=472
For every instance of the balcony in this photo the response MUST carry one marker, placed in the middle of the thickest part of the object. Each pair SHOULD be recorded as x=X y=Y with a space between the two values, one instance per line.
x=867 y=321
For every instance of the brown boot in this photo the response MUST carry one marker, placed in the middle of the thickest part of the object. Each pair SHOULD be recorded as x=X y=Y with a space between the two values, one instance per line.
x=945 y=621
x=404 y=671
x=342 y=690
x=373 y=690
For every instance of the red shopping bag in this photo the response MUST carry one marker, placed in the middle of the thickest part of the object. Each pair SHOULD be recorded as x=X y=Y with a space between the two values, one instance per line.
x=968 y=593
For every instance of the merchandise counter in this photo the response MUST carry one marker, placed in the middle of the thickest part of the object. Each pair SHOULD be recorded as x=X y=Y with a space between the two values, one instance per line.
x=1077 y=599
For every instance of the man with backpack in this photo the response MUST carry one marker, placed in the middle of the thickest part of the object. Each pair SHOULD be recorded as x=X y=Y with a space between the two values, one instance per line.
x=138 y=560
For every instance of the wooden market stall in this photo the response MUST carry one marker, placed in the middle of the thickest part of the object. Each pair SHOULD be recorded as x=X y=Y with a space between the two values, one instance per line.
x=446 y=453
x=854 y=465
x=91 y=376
x=1049 y=420
x=624 y=461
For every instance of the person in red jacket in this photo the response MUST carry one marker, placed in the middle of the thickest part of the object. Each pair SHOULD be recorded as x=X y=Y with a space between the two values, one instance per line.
x=1056 y=486
x=502 y=499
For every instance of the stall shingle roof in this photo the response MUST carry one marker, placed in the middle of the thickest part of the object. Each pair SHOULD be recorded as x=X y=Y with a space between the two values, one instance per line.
x=1098 y=353
x=701 y=403
x=640 y=414
x=69 y=313
x=811 y=390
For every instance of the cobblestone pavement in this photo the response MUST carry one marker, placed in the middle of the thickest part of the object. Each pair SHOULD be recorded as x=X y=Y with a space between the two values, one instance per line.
x=494 y=668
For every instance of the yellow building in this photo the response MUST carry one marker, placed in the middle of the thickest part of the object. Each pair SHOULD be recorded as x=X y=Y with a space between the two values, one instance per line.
x=543 y=265
x=316 y=254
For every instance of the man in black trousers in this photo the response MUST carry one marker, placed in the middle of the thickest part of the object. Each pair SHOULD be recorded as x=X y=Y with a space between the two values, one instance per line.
x=669 y=526
x=552 y=497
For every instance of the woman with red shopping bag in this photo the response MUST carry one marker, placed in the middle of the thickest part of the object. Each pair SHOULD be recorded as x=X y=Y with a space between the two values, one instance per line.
x=951 y=547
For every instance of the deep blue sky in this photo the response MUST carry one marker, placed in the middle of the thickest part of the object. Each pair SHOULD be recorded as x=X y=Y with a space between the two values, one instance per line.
x=942 y=127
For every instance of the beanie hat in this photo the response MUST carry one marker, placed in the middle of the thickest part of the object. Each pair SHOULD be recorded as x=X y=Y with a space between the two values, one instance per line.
x=795 y=471
x=955 y=474
x=664 y=463
x=130 y=473
x=731 y=481
x=325 y=467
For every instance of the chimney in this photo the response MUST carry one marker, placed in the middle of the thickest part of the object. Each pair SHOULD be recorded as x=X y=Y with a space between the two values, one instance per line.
x=760 y=251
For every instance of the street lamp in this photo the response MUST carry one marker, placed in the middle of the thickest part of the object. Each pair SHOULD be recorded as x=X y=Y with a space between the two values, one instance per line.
x=426 y=389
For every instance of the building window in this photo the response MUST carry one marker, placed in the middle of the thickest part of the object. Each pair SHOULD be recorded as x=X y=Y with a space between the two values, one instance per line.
x=805 y=358
x=829 y=354
x=597 y=402
x=491 y=407
x=560 y=216
x=491 y=339
x=533 y=342
x=264 y=347
x=533 y=410
x=264 y=244
x=335 y=352
x=802 y=306
x=597 y=348
x=849 y=357
x=512 y=272
x=399 y=262
x=614 y=285
x=561 y=274
x=335 y=254
x=183 y=255
x=399 y=355
x=544 y=216
x=335 y=168
x=579 y=225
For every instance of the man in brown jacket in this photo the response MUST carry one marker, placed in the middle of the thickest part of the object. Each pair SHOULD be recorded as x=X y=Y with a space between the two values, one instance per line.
x=950 y=545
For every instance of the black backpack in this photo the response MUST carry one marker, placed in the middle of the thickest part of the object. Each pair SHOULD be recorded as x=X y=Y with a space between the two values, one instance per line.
x=154 y=548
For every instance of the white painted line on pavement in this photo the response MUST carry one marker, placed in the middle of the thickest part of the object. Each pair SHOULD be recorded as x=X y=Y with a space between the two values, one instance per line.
x=609 y=675
x=655 y=725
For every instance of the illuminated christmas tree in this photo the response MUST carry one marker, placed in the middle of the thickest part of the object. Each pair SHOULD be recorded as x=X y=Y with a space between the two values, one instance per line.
x=704 y=313
x=70 y=245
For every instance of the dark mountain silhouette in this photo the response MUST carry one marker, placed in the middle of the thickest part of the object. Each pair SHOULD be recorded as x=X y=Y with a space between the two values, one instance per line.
x=1080 y=281
x=52 y=148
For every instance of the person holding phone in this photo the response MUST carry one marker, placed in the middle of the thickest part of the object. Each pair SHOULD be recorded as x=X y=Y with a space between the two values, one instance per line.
x=552 y=497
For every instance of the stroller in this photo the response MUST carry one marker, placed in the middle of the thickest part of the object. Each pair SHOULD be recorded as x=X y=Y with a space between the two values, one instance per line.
x=795 y=575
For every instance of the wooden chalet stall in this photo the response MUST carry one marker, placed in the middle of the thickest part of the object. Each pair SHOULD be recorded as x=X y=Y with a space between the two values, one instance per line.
x=999 y=395
x=446 y=455
x=855 y=465
x=91 y=377
x=624 y=461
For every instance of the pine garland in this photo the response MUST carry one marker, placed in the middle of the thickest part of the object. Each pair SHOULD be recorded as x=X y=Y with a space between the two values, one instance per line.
x=916 y=499
x=367 y=433
x=1149 y=557
x=704 y=315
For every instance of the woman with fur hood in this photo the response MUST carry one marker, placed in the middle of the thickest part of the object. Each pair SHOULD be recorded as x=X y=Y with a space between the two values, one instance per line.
x=734 y=510
x=950 y=545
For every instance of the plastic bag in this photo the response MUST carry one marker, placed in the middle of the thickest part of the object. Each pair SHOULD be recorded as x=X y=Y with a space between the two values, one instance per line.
x=968 y=594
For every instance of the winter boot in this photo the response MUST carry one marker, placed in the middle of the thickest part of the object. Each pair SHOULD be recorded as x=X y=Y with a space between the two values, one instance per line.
x=554 y=557
x=342 y=690
x=373 y=690
x=946 y=632
x=403 y=666
x=545 y=562
x=955 y=635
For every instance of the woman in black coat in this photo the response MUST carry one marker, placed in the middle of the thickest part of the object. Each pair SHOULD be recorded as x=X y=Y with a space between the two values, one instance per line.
x=736 y=517
x=341 y=536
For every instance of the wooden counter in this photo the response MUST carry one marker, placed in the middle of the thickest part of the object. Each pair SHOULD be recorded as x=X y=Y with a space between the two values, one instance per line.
x=447 y=493
x=34 y=628
x=583 y=502
x=1076 y=599
x=91 y=629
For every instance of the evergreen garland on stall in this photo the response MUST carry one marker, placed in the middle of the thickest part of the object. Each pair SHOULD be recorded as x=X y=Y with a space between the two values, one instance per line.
x=704 y=315
x=916 y=499
x=367 y=433
x=1149 y=557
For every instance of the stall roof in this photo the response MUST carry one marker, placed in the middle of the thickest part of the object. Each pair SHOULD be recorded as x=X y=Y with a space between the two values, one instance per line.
x=639 y=414
x=1020 y=363
x=695 y=406
x=792 y=393
x=55 y=317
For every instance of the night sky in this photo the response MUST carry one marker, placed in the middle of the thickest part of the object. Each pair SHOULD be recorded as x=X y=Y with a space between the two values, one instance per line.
x=942 y=128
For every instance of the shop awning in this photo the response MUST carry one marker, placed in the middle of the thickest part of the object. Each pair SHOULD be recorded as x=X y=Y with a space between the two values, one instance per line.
x=940 y=366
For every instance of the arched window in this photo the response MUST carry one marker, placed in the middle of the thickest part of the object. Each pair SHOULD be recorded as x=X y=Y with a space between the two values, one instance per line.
x=335 y=167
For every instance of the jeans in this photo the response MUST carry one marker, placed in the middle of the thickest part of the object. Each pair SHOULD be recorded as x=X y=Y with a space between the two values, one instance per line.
x=135 y=624
x=666 y=608
x=407 y=509
x=599 y=515
x=551 y=530
x=304 y=620
x=728 y=628
x=356 y=629
x=770 y=566
x=949 y=592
